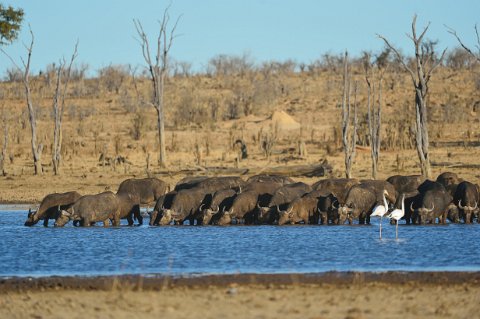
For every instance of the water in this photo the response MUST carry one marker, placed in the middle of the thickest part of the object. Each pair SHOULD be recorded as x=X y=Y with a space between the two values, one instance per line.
x=40 y=251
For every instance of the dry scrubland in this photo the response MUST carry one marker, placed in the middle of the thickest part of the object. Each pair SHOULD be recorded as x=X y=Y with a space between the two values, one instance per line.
x=206 y=113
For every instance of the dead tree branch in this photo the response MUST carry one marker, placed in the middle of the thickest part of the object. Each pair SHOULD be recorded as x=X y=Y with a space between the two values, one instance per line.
x=425 y=65
x=158 y=69
x=58 y=107
x=465 y=47
x=349 y=138
x=25 y=70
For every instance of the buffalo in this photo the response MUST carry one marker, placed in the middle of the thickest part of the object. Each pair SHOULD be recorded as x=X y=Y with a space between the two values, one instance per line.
x=467 y=199
x=308 y=209
x=358 y=204
x=242 y=209
x=339 y=187
x=431 y=204
x=145 y=191
x=221 y=200
x=51 y=206
x=164 y=202
x=278 y=179
x=184 y=206
x=90 y=209
x=280 y=200
x=406 y=184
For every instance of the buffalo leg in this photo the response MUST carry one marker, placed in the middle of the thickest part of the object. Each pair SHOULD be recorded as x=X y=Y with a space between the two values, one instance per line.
x=116 y=222
x=106 y=223
x=130 y=219
x=86 y=222
x=361 y=220
x=45 y=221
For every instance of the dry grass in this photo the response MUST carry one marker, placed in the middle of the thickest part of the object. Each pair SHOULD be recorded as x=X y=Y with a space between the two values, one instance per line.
x=117 y=122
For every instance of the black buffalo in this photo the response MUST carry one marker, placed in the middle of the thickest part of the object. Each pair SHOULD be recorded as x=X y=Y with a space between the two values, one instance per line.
x=405 y=184
x=358 y=205
x=51 y=206
x=467 y=198
x=339 y=187
x=103 y=207
x=221 y=200
x=281 y=198
x=164 y=202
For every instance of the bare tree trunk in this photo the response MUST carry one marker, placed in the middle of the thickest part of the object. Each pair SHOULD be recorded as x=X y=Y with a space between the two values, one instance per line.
x=158 y=69
x=426 y=62
x=374 y=123
x=58 y=107
x=3 y=154
x=349 y=138
x=36 y=150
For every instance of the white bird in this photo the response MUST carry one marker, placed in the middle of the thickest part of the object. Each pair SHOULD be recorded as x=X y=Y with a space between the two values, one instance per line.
x=381 y=210
x=397 y=214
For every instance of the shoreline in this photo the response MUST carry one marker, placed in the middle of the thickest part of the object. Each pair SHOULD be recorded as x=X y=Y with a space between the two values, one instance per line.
x=161 y=281
x=15 y=206
x=352 y=295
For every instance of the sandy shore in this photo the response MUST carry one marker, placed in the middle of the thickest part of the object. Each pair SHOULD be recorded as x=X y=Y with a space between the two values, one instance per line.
x=330 y=295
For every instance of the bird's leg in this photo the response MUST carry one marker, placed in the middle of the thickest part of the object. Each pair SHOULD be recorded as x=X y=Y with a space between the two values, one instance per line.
x=380 y=227
x=396 y=230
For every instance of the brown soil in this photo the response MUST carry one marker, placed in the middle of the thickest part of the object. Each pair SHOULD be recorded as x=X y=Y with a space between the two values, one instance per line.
x=444 y=295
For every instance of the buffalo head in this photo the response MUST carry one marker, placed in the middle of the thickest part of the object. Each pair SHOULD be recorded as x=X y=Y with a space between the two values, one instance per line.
x=468 y=211
x=207 y=214
x=344 y=213
x=285 y=216
x=166 y=217
x=63 y=218
x=423 y=214
x=224 y=218
x=32 y=218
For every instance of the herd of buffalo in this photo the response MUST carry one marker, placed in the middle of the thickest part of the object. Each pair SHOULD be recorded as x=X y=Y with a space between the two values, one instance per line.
x=265 y=199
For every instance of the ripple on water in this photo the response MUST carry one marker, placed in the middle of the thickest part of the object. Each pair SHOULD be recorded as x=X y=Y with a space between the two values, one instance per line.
x=39 y=251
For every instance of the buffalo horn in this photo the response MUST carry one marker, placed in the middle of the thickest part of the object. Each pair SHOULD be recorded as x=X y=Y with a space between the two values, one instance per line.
x=218 y=209
x=431 y=209
x=200 y=208
x=411 y=207
x=460 y=204
x=338 y=204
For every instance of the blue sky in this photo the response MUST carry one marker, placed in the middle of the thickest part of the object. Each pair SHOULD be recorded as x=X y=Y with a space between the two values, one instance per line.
x=301 y=30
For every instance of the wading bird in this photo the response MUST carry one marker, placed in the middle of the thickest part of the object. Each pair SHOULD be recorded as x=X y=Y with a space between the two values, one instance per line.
x=381 y=210
x=397 y=214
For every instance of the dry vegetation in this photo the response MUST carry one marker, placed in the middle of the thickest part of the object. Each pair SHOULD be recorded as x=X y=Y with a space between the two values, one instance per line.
x=109 y=130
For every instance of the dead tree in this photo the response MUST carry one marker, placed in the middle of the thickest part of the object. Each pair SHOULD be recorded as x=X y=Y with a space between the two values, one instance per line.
x=36 y=149
x=349 y=138
x=3 y=154
x=374 y=118
x=58 y=106
x=426 y=62
x=476 y=55
x=158 y=69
